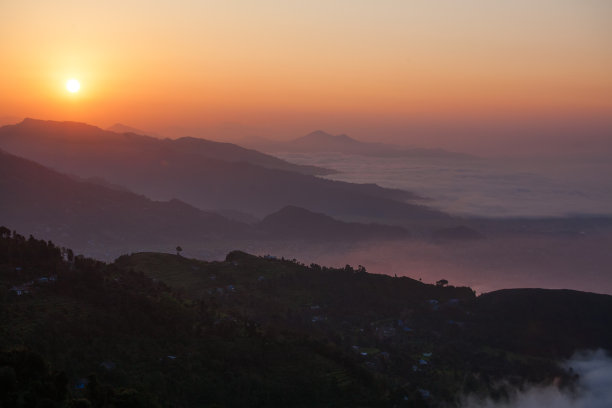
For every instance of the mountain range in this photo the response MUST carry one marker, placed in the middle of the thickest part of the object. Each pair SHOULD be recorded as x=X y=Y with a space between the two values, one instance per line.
x=41 y=139
x=204 y=174
x=297 y=223
x=322 y=142
x=96 y=218
x=39 y=200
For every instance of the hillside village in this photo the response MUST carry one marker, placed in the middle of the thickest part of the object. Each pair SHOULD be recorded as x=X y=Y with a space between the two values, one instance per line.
x=156 y=328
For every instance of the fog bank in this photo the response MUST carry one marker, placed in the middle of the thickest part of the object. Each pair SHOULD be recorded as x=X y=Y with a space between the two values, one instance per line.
x=594 y=388
x=485 y=265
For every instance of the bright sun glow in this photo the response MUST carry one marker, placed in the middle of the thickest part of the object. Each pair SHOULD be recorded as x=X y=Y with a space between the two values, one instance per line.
x=72 y=85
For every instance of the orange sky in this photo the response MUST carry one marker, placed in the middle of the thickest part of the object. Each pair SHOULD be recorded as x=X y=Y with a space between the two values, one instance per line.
x=389 y=70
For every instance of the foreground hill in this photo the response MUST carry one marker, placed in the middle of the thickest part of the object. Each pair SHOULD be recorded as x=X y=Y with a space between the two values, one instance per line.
x=537 y=322
x=163 y=170
x=118 y=339
x=322 y=142
x=441 y=340
x=545 y=321
x=254 y=331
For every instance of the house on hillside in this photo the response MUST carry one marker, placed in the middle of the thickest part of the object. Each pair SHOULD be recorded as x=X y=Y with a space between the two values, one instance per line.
x=424 y=393
x=108 y=365
x=434 y=304
x=453 y=302
x=81 y=384
x=21 y=290
x=403 y=326
x=384 y=329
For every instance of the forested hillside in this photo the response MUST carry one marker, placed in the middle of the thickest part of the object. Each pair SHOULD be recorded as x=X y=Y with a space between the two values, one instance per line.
x=162 y=330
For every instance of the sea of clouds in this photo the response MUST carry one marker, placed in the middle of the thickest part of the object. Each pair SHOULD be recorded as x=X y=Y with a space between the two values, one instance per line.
x=492 y=187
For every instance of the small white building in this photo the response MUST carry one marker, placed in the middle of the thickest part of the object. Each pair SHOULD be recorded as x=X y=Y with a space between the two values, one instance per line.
x=21 y=290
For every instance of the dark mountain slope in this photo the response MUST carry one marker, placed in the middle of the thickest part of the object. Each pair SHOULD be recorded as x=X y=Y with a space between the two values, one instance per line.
x=234 y=153
x=38 y=200
x=98 y=219
x=298 y=223
x=545 y=321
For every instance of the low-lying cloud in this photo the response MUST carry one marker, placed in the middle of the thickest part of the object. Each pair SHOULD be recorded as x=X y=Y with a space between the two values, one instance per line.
x=484 y=187
x=594 y=389
x=485 y=265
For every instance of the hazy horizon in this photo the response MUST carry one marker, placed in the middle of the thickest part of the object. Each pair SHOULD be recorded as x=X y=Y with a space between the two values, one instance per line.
x=478 y=77
x=548 y=144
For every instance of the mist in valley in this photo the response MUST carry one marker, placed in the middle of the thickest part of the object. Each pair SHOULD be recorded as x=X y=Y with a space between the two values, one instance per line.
x=580 y=263
x=535 y=186
x=593 y=369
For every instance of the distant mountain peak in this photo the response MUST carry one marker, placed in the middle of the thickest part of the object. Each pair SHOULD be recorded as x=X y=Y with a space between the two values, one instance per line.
x=43 y=122
x=57 y=144
x=295 y=210
x=345 y=138
x=319 y=132
x=321 y=141
x=55 y=126
x=122 y=128
x=321 y=138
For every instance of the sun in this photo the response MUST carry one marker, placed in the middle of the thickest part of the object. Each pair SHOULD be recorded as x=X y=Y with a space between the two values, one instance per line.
x=72 y=85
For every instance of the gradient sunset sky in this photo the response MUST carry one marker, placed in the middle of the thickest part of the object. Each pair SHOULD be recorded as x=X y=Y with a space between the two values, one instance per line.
x=455 y=73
